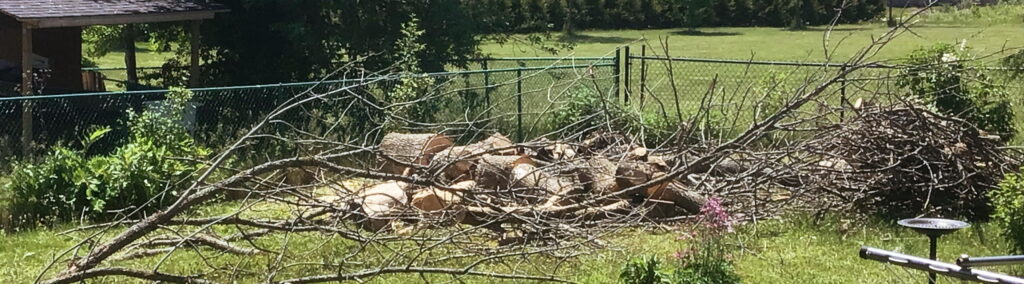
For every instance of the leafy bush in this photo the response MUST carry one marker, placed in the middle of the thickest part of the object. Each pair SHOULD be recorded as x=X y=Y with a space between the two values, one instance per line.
x=941 y=78
x=67 y=183
x=1008 y=201
x=585 y=111
x=704 y=260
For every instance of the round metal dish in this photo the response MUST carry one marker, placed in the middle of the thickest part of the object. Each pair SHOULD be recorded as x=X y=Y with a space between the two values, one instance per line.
x=933 y=226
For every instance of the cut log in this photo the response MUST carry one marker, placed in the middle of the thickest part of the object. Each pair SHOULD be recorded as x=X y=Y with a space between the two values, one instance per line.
x=415 y=149
x=492 y=143
x=456 y=163
x=453 y=164
x=637 y=154
x=533 y=184
x=632 y=174
x=381 y=201
x=678 y=194
x=495 y=172
x=597 y=176
x=557 y=151
x=437 y=199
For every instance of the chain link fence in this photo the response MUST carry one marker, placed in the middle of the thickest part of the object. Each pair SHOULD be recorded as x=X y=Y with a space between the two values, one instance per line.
x=510 y=96
x=741 y=91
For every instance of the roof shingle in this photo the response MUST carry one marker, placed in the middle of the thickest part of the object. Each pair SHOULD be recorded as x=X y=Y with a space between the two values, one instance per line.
x=42 y=9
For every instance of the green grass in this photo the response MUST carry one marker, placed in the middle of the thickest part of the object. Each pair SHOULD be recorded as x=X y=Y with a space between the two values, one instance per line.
x=145 y=56
x=986 y=29
x=792 y=250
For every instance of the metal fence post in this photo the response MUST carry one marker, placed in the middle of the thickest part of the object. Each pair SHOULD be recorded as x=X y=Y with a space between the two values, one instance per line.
x=625 y=93
x=519 y=104
x=643 y=73
x=487 y=86
x=842 y=93
x=616 y=72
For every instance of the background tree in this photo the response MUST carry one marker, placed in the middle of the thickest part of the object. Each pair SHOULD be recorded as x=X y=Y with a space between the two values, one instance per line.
x=696 y=12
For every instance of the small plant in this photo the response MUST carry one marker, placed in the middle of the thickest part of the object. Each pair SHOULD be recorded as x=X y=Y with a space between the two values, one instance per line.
x=940 y=77
x=411 y=93
x=1008 y=201
x=704 y=259
x=642 y=270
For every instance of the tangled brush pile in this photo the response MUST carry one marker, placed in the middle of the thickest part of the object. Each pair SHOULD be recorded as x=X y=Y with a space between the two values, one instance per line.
x=904 y=162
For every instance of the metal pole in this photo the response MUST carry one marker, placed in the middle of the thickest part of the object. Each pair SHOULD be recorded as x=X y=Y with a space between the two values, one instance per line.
x=842 y=93
x=519 y=105
x=643 y=73
x=616 y=72
x=487 y=87
x=947 y=269
x=626 y=91
x=932 y=251
x=967 y=261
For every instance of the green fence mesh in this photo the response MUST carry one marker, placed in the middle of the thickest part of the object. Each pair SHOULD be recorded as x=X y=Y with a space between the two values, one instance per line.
x=509 y=96
x=677 y=87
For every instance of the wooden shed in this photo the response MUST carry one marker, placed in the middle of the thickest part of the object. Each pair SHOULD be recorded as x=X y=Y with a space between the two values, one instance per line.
x=47 y=34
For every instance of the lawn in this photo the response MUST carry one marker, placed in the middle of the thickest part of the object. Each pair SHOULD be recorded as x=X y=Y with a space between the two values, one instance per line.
x=796 y=250
x=985 y=29
x=777 y=44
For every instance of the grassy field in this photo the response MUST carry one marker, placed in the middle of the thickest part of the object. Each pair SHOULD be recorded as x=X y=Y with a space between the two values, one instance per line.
x=985 y=29
x=778 y=44
x=797 y=250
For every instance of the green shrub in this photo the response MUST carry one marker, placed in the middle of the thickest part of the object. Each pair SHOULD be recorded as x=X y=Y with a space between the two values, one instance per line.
x=585 y=111
x=1008 y=201
x=642 y=270
x=940 y=77
x=67 y=184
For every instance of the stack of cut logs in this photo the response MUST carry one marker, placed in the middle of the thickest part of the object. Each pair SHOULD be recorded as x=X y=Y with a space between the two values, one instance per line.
x=486 y=182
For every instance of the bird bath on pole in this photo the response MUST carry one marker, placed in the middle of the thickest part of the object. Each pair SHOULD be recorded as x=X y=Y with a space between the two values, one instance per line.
x=933 y=228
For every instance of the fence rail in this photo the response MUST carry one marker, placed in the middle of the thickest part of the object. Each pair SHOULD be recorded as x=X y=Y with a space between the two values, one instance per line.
x=515 y=94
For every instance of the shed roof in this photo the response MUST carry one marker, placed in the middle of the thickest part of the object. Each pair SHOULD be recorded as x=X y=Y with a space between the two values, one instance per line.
x=62 y=13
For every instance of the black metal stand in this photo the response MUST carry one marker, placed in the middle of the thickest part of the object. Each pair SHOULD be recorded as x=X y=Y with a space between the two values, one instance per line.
x=933 y=228
x=933 y=255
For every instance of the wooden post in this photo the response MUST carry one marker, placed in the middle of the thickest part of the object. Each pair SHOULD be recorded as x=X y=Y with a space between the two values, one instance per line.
x=193 y=68
x=129 y=56
x=26 y=89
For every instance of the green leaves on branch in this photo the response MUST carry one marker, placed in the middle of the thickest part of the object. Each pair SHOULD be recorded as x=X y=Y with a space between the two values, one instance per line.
x=143 y=174
x=941 y=77
x=1008 y=201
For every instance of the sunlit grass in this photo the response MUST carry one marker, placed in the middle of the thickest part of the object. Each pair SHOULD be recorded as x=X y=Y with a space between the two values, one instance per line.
x=795 y=249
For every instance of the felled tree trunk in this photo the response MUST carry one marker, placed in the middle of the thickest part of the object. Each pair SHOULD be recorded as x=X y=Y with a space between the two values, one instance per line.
x=682 y=197
x=444 y=204
x=597 y=176
x=381 y=202
x=398 y=149
x=495 y=172
x=456 y=163
x=633 y=174
x=533 y=185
